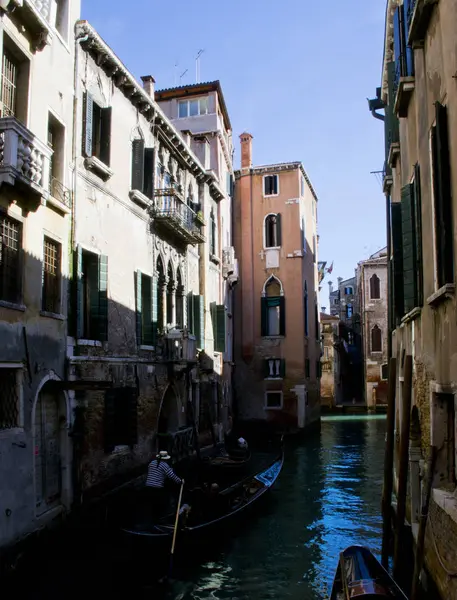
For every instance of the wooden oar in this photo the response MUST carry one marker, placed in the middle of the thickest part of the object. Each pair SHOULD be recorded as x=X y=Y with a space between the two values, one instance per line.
x=175 y=529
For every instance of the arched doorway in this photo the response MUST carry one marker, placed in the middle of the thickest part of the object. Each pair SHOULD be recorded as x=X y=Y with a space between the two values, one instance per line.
x=169 y=417
x=50 y=447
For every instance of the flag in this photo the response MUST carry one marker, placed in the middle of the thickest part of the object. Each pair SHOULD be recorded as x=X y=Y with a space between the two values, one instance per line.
x=330 y=269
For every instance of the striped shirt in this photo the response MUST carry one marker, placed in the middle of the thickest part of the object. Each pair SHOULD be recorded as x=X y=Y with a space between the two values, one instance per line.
x=157 y=472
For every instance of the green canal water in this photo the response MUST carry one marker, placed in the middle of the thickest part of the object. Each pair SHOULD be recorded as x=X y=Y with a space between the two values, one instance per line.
x=327 y=498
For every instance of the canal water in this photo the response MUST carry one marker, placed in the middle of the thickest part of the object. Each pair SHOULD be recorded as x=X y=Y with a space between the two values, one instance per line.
x=327 y=498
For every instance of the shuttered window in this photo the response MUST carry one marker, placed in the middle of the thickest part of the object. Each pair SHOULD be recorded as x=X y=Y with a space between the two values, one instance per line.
x=273 y=231
x=444 y=251
x=121 y=419
x=10 y=259
x=273 y=316
x=10 y=72
x=96 y=130
x=219 y=326
x=375 y=287
x=270 y=185
x=196 y=318
x=142 y=168
x=397 y=255
x=404 y=57
x=92 y=295
x=51 y=276
x=145 y=298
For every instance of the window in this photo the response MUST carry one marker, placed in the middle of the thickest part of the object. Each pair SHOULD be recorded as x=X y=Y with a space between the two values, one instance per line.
x=92 y=296
x=10 y=259
x=52 y=277
x=444 y=246
x=348 y=291
x=218 y=321
x=375 y=287
x=142 y=168
x=196 y=317
x=302 y=186
x=376 y=339
x=61 y=19
x=316 y=321
x=96 y=130
x=146 y=310
x=192 y=108
x=404 y=57
x=273 y=231
x=9 y=398
x=14 y=92
x=10 y=71
x=306 y=316
x=273 y=399
x=271 y=185
x=212 y=233
x=336 y=301
x=274 y=368
x=349 y=311
x=385 y=372
x=179 y=301
x=273 y=310
x=326 y=352
x=56 y=141
x=121 y=421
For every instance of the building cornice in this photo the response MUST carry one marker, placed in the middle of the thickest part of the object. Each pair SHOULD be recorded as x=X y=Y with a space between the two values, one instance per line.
x=263 y=169
x=107 y=60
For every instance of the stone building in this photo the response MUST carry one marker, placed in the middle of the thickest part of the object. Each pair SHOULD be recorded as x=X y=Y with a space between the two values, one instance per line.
x=419 y=95
x=329 y=361
x=277 y=338
x=148 y=305
x=36 y=194
x=372 y=303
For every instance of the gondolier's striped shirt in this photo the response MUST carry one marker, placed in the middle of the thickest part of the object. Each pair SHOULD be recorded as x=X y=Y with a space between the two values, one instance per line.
x=158 y=472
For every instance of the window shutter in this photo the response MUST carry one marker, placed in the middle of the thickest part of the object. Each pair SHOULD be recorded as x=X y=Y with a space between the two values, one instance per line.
x=408 y=51
x=282 y=368
x=391 y=120
x=397 y=251
x=220 y=328
x=131 y=397
x=148 y=185
x=275 y=180
x=88 y=112
x=418 y=234
x=79 y=293
x=409 y=251
x=282 y=315
x=190 y=313
x=278 y=230
x=212 y=310
x=110 y=420
x=263 y=316
x=199 y=320
x=138 y=160
x=105 y=136
x=138 y=309
x=103 y=298
x=154 y=309
x=443 y=198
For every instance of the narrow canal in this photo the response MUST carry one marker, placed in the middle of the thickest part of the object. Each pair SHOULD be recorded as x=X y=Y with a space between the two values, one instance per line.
x=328 y=497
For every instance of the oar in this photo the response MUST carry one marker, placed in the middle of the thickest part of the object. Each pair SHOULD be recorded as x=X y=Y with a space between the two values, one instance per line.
x=175 y=529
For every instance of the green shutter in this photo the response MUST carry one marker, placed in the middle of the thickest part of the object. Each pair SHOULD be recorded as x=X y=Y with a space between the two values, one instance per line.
x=397 y=253
x=282 y=315
x=219 y=343
x=190 y=313
x=409 y=251
x=138 y=309
x=418 y=232
x=278 y=230
x=105 y=136
x=88 y=118
x=110 y=420
x=154 y=311
x=103 y=298
x=138 y=165
x=199 y=320
x=212 y=310
x=263 y=316
x=148 y=184
x=79 y=293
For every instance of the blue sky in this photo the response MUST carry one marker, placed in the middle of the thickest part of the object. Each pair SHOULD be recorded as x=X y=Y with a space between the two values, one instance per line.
x=295 y=74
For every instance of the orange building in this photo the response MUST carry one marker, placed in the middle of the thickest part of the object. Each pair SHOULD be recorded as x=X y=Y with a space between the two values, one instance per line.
x=277 y=331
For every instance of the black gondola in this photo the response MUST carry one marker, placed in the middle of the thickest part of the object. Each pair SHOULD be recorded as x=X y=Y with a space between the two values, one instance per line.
x=227 y=505
x=360 y=575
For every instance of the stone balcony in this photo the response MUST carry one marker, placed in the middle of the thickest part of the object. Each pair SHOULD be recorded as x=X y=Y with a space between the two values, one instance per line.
x=172 y=213
x=179 y=346
x=24 y=159
x=37 y=16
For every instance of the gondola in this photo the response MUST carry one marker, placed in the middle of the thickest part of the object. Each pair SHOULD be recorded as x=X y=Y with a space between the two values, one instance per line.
x=359 y=575
x=228 y=504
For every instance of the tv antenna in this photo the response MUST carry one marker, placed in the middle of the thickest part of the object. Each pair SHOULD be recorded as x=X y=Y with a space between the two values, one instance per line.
x=197 y=66
x=182 y=75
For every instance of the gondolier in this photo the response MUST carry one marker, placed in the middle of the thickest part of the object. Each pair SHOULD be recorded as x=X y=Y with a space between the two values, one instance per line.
x=158 y=471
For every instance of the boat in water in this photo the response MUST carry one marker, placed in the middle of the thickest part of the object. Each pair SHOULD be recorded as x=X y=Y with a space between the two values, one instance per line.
x=360 y=575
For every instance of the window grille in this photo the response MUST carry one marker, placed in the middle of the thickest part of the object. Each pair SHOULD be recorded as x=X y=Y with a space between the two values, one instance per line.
x=9 y=85
x=10 y=246
x=9 y=401
x=51 y=276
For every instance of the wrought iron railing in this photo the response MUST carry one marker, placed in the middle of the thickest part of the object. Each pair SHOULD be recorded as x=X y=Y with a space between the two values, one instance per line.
x=169 y=205
x=60 y=192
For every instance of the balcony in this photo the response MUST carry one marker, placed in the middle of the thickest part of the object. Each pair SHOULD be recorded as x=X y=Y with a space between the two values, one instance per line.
x=60 y=196
x=405 y=90
x=171 y=212
x=36 y=16
x=179 y=346
x=24 y=159
x=419 y=13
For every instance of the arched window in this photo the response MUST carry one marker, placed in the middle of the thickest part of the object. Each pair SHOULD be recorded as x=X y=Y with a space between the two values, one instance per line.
x=376 y=339
x=375 y=287
x=160 y=283
x=273 y=309
x=272 y=231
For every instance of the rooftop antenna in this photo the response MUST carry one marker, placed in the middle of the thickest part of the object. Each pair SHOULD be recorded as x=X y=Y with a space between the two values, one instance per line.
x=182 y=75
x=197 y=66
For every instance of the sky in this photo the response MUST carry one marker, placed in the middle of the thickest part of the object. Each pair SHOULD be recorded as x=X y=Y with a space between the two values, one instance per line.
x=295 y=74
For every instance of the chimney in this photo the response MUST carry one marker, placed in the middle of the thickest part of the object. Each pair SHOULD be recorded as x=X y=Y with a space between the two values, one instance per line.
x=246 y=150
x=340 y=279
x=148 y=85
x=186 y=136
x=324 y=308
x=330 y=287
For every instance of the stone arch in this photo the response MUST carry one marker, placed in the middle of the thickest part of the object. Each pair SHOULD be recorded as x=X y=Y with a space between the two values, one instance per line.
x=52 y=451
x=170 y=416
x=270 y=280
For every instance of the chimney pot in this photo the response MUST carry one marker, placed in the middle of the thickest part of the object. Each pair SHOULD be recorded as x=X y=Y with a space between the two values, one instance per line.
x=246 y=150
x=148 y=85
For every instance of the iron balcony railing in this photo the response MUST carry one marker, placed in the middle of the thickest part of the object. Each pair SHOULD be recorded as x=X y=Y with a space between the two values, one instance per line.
x=171 y=210
x=60 y=192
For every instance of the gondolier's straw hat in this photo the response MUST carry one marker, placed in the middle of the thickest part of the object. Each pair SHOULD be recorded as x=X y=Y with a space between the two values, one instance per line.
x=163 y=455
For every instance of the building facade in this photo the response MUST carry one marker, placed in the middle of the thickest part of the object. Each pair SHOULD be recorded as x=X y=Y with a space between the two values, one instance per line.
x=277 y=338
x=419 y=95
x=329 y=361
x=372 y=303
x=36 y=196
